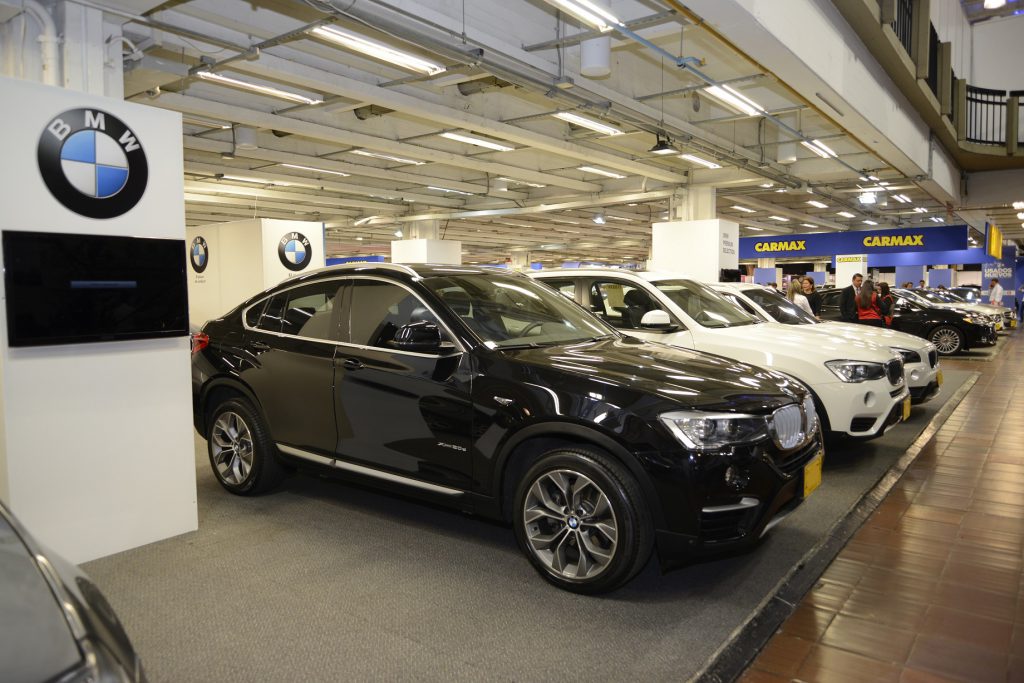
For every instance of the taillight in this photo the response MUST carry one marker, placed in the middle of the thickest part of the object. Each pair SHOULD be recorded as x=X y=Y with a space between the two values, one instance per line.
x=199 y=342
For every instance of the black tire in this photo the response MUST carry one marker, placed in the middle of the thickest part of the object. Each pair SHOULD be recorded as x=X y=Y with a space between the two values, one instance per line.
x=588 y=475
x=242 y=454
x=948 y=340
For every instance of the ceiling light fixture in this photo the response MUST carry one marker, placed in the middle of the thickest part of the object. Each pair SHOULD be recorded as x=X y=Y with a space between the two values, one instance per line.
x=377 y=155
x=398 y=233
x=256 y=87
x=599 y=218
x=584 y=122
x=819 y=148
x=1018 y=205
x=599 y=171
x=870 y=222
x=994 y=4
x=846 y=214
x=315 y=170
x=589 y=13
x=694 y=159
x=808 y=225
x=247 y=179
x=734 y=100
x=937 y=219
x=743 y=209
x=364 y=221
x=520 y=182
x=378 y=50
x=751 y=227
x=479 y=142
x=920 y=209
x=1021 y=216
x=901 y=198
x=873 y=178
x=663 y=146
x=446 y=189
x=866 y=198
x=779 y=219
x=815 y=202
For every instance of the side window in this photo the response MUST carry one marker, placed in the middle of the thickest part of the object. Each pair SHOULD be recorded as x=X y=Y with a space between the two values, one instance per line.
x=379 y=308
x=566 y=287
x=621 y=304
x=741 y=303
x=272 y=314
x=310 y=311
x=252 y=316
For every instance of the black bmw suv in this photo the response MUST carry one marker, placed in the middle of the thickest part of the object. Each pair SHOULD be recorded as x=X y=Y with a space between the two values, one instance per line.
x=494 y=394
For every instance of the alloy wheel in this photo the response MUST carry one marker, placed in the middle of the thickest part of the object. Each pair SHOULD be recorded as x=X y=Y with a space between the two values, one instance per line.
x=946 y=340
x=570 y=524
x=231 y=448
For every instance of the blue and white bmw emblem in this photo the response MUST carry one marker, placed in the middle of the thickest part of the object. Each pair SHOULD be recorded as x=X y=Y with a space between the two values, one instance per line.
x=295 y=251
x=92 y=163
x=199 y=254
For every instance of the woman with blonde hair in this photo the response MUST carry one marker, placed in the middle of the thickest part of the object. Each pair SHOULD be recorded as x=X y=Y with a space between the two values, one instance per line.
x=795 y=294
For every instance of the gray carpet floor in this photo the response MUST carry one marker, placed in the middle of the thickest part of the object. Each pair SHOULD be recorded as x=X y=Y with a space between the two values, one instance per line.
x=324 y=581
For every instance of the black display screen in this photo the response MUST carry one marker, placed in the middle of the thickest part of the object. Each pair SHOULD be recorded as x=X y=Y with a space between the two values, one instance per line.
x=68 y=289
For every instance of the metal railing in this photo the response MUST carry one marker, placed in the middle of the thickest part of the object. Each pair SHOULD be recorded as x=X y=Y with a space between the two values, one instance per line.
x=986 y=116
x=903 y=24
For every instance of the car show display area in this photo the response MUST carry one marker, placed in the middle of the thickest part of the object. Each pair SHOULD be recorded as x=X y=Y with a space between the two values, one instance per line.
x=323 y=578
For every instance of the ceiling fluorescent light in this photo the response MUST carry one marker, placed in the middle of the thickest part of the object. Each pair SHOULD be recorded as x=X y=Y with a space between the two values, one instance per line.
x=920 y=209
x=866 y=198
x=808 y=225
x=819 y=148
x=204 y=122
x=445 y=189
x=936 y=219
x=255 y=87
x=520 y=182
x=376 y=155
x=846 y=214
x=873 y=177
x=479 y=142
x=994 y=4
x=751 y=227
x=734 y=100
x=870 y=222
x=315 y=170
x=779 y=219
x=589 y=13
x=743 y=209
x=1018 y=205
x=583 y=121
x=248 y=179
x=697 y=160
x=815 y=202
x=599 y=171
x=901 y=198
x=1021 y=216
x=373 y=48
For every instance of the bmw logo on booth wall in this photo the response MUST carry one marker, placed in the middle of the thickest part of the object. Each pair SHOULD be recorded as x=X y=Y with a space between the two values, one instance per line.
x=92 y=163
x=199 y=254
x=294 y=251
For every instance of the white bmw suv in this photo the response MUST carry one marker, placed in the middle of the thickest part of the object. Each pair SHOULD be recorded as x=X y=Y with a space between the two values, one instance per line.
x=858 y=386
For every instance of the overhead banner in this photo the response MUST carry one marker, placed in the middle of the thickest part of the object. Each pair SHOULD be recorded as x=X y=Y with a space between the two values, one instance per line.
x=944 y=238
x=993 y=241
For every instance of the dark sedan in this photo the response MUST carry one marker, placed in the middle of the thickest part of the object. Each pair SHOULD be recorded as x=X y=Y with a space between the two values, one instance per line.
x=494 y=394
x=951 y=330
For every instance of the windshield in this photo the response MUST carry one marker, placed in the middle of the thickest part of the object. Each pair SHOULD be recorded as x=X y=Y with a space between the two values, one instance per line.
x=934 y=297
x=509 y=312
x=779 y=307
x=703 y=304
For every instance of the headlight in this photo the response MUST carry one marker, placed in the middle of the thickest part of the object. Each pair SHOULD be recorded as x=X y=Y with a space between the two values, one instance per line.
x=856 y=371
x=968 y=319
x=707 y=431
x=908 y=355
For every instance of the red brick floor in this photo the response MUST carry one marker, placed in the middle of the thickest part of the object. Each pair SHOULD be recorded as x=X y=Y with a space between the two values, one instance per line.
x=930 y=588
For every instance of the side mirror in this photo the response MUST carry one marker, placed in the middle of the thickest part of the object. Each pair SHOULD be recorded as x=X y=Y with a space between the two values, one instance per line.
x=657 y=320
x=421 y=336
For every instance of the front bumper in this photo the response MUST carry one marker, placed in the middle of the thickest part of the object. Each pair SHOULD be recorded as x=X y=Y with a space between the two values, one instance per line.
x=923 y=381
x=861 y=409
x=979 y=335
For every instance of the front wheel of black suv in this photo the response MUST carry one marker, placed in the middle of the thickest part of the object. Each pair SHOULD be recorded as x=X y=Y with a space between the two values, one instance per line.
x=581 y=519
x=242 y=454
x=947 y=339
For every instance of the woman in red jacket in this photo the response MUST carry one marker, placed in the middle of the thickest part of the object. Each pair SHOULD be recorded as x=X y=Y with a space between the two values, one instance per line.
x=869 y=307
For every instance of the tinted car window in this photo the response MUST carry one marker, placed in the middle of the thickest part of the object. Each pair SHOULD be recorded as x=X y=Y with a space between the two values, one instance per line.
x=252 y=316
x=310 y=311
x=621 y=304
x=379 y=308
x=566 y=287
x=779 y=307
x=272 y=314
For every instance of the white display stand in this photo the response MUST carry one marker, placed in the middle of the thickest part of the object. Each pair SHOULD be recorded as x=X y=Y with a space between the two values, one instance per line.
x=698 y=250
x=96 y=446
x=848 y=265
x=243 y=258
x=448 y=252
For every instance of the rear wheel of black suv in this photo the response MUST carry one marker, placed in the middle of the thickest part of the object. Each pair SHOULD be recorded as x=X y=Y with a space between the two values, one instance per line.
x=581 y=519
x=242 y=453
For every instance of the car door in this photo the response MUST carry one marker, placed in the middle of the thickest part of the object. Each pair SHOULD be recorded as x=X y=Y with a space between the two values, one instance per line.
x=290 y=346
x=405 y=413
x=623 y=304
x=909 y=317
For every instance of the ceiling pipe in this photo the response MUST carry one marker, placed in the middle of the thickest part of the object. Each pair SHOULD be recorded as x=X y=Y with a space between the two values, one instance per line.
x=48 y=41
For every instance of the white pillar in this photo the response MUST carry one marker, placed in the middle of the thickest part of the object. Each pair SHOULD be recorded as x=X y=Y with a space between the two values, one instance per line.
x=692 y=204
x=699 y=249
x=520 y=260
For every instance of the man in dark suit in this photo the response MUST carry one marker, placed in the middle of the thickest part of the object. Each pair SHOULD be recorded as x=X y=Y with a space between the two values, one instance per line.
x=848 y=300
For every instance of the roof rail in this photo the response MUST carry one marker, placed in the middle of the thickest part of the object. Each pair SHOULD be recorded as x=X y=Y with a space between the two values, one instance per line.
x=400 y=267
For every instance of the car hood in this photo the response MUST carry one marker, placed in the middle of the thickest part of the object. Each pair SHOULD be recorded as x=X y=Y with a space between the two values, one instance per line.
x=776 y=345
x=689 y=378
x=965 y=309
x=877 y=335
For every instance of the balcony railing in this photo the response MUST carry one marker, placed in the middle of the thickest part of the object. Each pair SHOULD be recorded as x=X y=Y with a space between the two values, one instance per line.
x=903 y=24
x=986 y=116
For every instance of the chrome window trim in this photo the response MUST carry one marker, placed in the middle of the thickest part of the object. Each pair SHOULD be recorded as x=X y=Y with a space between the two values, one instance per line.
x=369 y=471
x=346 y=277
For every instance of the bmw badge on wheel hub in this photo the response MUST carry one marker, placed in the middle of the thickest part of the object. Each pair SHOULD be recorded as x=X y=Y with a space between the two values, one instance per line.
x=295 y=251
x=92 y=163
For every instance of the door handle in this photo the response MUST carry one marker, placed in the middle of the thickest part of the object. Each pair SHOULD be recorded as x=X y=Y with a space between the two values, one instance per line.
x=259 y=346
x=352 y=363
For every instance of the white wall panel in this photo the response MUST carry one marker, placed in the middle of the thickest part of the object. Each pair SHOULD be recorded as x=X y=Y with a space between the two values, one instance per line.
x=999 y=54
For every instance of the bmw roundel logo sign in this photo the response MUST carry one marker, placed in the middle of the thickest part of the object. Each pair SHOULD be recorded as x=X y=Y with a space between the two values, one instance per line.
x=199 y=254
x=92 y=163
x=295 y=251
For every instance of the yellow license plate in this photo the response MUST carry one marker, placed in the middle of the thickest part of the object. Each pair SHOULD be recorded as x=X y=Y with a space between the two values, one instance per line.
x=812 y=474
x=906 y=408
x=1013 y=322
x=938 y=378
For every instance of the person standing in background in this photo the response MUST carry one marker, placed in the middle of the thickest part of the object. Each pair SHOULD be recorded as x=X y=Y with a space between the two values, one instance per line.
x=921 y=285
x=848 y=299
x=813 y=298
x=886 y=302
x=869 y=307
x=795 y=294
x=995 y=293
